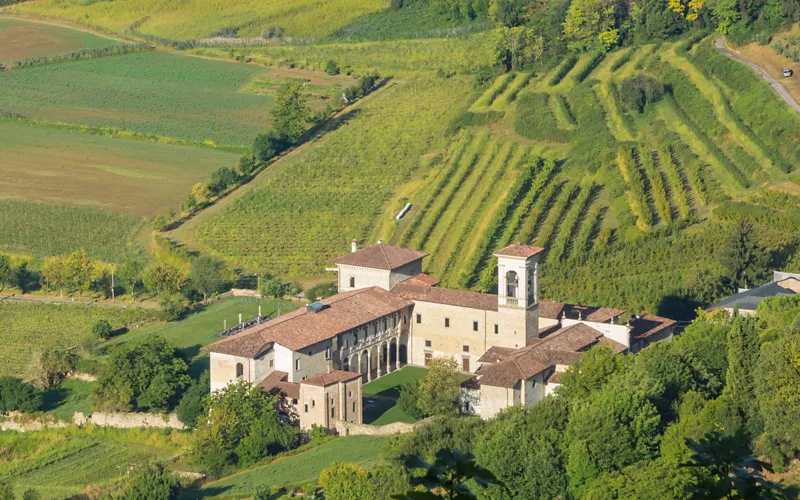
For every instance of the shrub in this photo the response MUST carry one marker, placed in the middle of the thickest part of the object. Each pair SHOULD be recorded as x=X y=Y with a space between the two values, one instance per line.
x=407 y=402
x=563 y=69
x=16 y=395
x=316 y=432
x=102 y=329
x=590 y=65
x=221 y=179
x=154 y=480
x=51 y=366
x=173 y=306
x=331 y=67
x=267 y=146
x=193 y=402
x=639 y=90
x=273 y=287
x=247 y=164
x=321 y=291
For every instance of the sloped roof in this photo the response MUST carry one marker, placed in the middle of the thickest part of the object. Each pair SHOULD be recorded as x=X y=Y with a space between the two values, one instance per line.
x=555 y=310
x=648 y=325
x=748 y=300
x=422 y=279
x=447 y=296
x=334 y=377
x=524 y=251
x=302 y=328
x=381 y=256
x=276 y=383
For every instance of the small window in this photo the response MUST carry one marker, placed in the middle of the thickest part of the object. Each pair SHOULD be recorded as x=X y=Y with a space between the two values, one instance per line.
x=496 y=329
x=313 y=403
x=465 y=348
x=328 y=353
x=427 y=343
x=239 y=370
x=354 y=407
x=352 y=282
x=333 y=412
x=475 y=326
x=271 y=363
x=297 y=365
x=294 y=401
x=350 y=394
x=405 y=319
x=310 y=353
x=447 y=322
x=345 y=343
x=306 y=405
x=419 y=318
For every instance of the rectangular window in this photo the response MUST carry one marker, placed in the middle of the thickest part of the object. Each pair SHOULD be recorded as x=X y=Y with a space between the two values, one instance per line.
x=475 y=326
x=306 y=405
x=297 y=365
x=427 y=343
x=496 y=329
x=350 y=394
x=294 y=401
x=328 y=353
x=419 y=318
x=310 y=353
x=271 y=363
x=352 y=282
x=345 y=343
x=354 y=407
x=313 y=403
x=447 y=322
x=333 y=412
x=465 y=348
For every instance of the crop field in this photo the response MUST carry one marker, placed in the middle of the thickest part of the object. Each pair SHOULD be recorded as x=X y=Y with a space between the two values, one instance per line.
x=44 y=230
x=22 y=39
x=182 y=20
x=56 y=165
x=297 y=469
x=29 y=327
x=62 y=462
x=303 y=213
x=148 y=93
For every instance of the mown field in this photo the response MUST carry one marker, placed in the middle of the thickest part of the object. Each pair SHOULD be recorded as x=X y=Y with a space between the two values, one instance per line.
x=56 y=165
x=22 y=39
x=59 y=463
x=182 y=20
x=302 y=213
x=148 y=93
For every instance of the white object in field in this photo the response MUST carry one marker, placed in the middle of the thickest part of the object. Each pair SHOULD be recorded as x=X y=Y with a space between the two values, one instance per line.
x=404 y=211
x=787 y=72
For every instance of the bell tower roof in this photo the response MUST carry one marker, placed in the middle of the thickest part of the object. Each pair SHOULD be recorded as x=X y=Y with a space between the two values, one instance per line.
x=519 y=251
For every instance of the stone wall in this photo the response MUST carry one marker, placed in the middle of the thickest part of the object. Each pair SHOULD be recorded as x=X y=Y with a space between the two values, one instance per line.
x=129 y=420
x=22 y=422
x=351 y=429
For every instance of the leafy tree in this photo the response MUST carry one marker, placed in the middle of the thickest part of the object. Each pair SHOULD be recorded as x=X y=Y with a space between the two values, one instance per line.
x=221 y=179
x=144 y=375
x=52 y=365
x=517 y=47
x=54 y=274
x=207 y=275
x=656 y=479
x=706 y=339
x=267 y=146
x=585 y=20
x=273 y=287
x=331 y=67
x=745 y=260
x=153 y=482
x=247 y=164
x=321 y=291
x=163 y=279
x=291 y=115
x=440 y=389
x=507 y=13
x=639 y=90
x=200 y=192
x=79 y=270
x=449 y=475
x=102 y=329
x=697 y=417
x=194 y=401
x=173 y=306
x=739 y=392
x=266 y=436
x=424 y=442
x=161 y=221
x=6 y=272
x=16 y=395
x=24 y=278
x=407 y=401
x=346 y=481
x=130 y=277
x=598 y=365
x=726 y=14
x=190 y=204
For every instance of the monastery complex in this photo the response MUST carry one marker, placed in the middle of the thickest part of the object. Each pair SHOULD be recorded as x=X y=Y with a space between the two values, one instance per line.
x=389 y=314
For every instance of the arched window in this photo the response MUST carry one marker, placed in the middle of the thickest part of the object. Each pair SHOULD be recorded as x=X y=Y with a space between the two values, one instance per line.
x=512 y=284
x=239 y=370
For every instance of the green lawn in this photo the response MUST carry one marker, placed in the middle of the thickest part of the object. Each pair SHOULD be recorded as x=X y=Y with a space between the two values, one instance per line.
x=201 y=328
x=297 y=469
x=68 y=397
x=380 y=396
x=389 y=385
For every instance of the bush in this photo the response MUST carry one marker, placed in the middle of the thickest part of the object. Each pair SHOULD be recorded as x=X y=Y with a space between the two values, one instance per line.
x=331 y=67
x=407 y=402
x=247 y=165
x=222 y=179
x=173 y=306
x=193 y=402
x=154 y=480
x=317 y=432
x=321 y=291
x=563 y=69
x=16 y=395
x=51 y=366
x=267 y=146
x=102 y=329
x=273 y=287
x=639 y=90
x=590 y=65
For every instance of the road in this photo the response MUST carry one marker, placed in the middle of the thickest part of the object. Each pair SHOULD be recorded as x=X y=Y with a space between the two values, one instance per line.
x=720 y=45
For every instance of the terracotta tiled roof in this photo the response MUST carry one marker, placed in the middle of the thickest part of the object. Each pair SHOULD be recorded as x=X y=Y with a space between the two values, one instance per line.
x=554 y=378
x=422 y=279
x=524 y=251
x=302 y=328
x=380 y=256
x=495 y=354
x=618 y=348
x=648 y=325
x=554 y=310
x=276 y=383
x=448 y=296
x=334 y=377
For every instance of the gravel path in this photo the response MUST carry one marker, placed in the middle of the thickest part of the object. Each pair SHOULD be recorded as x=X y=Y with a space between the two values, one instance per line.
x=719 y=44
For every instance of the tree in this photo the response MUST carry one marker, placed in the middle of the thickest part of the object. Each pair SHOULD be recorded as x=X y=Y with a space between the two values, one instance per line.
x=16 y=395
x=24 y=278
x=656 y=479
x=200 y=192
x=173 y=306
x=194 y=401
x=726 y=14
x=144 y=375
x=440 y=389
x=346 y=481
x=79 y=270
x=154 y=481
x=54 y=274
x=190 y=204
x=130 y=277
x=206 y=274
x=273 y=287
x=507 y=13
x=267 y=436
x=449 y=475
x=331 y=67
x=745 y=260
x=321 y=291
x=516 y=47
x=739 y=392
x=291 y=115
x=247 y=164
x=221 y=179
x=408 y=399
x=639 y=90
x=598 y=365
x=6 y=272
x=585 y=20
x=102 y=329
x=267 y=146
x=52 y=365
x=163 y=279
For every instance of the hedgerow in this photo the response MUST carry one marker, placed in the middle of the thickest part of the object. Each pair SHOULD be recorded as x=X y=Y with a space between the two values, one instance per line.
x=497 y=88
x=621 y=60
x=563 y=69
x=588 y=229
x=676 y=180
x=555 y=214
x=535 y=119
x=561 y=103
x=657 y=189
x=540 y=207
x=590 y=65
x=114 y=50
x=636 y=194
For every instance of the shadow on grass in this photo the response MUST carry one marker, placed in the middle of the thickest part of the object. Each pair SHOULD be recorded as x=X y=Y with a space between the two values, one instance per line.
x=375 y=407
x=53 y=398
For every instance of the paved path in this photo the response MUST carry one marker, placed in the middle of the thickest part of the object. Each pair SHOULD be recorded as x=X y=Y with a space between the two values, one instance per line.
x=719 y=44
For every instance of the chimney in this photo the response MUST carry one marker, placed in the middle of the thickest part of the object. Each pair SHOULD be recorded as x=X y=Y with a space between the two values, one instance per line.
x=354 y=245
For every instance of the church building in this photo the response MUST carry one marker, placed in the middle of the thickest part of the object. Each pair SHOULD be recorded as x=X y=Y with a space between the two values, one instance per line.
x=388 y=314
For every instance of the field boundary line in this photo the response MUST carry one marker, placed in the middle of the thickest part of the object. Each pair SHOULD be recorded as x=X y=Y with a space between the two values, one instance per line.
x=63 y=24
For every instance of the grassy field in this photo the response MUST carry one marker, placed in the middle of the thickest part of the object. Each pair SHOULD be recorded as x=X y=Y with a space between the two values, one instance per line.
x=59 y=463
x=68 y=397
x=296 y=469
x=30 y=327
x=134 y=177
x=149 y=93
x=43 y=230
x=181 y=20
x=296 y=217
x=22 y=39
x=380 y=395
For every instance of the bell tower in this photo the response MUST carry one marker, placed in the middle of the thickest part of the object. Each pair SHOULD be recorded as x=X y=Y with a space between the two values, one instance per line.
x=518 y=288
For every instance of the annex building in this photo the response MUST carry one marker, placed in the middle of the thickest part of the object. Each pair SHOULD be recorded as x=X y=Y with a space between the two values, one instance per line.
x=388 y=314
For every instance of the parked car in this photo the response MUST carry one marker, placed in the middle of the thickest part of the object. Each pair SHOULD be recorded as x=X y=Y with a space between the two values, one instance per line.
x=787 y=72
